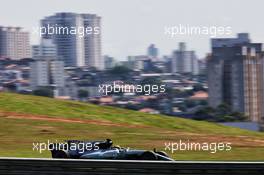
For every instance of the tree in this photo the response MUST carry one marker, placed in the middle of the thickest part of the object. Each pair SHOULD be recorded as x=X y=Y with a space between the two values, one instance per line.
x=11 y=87
x=83 y=93
x=43 y=91
x=150 y=81
x=223 y=109
x=222 y=113
x=198 y=87
x=120 y=70
x=190 y=103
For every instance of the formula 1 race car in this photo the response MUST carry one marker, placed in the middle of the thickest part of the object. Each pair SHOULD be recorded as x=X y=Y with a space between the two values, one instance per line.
x=76 y=149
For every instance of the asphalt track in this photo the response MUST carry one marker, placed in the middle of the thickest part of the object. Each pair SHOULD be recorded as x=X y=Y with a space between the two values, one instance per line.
x=28 y=166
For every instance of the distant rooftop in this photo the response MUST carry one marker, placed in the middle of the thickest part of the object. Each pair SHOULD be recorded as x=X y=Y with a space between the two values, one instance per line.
x=229 y=42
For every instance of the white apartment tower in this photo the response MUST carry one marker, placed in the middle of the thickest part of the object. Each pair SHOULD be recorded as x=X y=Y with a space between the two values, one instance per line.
x=14 y=43
x=76 y=49
x=184 y=61
x=46 y=72
x=92 y=43
x=47 y=69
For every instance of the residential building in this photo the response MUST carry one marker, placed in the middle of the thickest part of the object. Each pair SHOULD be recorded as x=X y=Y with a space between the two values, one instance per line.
x=14 y=43
x=184 y=61
x=109 y=62
x=136 y=62
x=235 y=76
x=202 y=66
x=152 y=51
x=47 y=72
x=77 y=37
x=92 y=42
x=46 y=48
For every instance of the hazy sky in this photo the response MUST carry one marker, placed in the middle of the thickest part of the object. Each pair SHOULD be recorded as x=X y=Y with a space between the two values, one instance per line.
x=129 y=26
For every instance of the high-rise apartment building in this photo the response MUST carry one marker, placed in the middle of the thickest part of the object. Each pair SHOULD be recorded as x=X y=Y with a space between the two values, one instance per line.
x=14 y=43
x=235 y=75
x=46 y=48
x=184 y=61
x=92 y=43
x=77 y=37
x=109 y=62
x=153 y=51
x=202 y=66
x=47 y=72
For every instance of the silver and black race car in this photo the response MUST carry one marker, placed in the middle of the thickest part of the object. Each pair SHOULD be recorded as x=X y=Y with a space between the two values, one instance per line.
x=76 y=149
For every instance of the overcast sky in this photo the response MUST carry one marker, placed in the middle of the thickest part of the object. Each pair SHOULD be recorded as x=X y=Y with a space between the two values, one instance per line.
x=129 y=26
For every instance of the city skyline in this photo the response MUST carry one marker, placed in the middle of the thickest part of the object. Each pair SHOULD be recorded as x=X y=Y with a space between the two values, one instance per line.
x=130 y=30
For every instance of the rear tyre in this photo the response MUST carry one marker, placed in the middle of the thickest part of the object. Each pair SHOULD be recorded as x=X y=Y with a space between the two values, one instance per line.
x=59 y=154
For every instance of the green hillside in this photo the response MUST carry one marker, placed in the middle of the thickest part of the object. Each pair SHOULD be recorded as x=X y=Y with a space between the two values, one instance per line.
x=26 y=119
